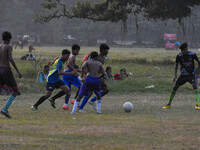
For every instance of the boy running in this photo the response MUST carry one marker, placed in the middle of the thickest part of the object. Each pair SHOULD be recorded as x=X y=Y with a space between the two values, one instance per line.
x=6 y=75
x=104 y=88
x=92 y=81
x=186 y=59
x=70 y=79
x=54 y=81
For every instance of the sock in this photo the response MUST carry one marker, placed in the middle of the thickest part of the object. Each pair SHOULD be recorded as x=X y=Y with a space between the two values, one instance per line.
x=196 y=91
x=60 y=94
x=75 y=106
x=98 y=105
x=95 y=98
x=67 y=98
x=40 y=101
x=9 y=102
x=85 y=100
x=172 y=94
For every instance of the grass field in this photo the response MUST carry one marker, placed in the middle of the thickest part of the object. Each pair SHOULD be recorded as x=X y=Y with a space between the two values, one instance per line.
x=147 y=127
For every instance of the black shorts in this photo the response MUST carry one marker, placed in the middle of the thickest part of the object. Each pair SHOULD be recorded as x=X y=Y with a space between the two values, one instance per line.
x=182 y=79
x=6 y=77
x=52 y=86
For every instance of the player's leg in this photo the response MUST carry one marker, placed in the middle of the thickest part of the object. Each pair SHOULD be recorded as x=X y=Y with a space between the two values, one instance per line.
x=104 y=91
x=98 y=103
x=180 y=81
x=76 y=104
x=58 y=95
x=9 y=102
x=42 y=99
x=196 y=92
x=66 y=89
x=84 y=102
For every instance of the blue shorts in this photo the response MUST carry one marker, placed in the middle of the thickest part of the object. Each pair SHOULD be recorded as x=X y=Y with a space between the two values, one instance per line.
x=52 y=86
x=71 y=79
x=91 y=84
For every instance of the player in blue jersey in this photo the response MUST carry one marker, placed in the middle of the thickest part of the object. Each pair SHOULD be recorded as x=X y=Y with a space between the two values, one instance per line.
x=92 y=82
x=54 y=81
x=70 y=79
x=186 y=60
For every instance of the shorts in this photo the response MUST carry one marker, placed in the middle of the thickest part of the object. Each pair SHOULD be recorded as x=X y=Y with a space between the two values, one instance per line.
x=52 y=86
x=6 y=77
x=71 y=79
x=182 y=79
x=91 y=84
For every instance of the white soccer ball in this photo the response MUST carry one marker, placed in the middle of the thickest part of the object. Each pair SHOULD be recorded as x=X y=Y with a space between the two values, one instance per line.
x=128 y=107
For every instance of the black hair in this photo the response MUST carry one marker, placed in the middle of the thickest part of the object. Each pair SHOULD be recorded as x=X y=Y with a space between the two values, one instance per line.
x=104 y=47
x=6 y=36
x=75 y=47
x=94 y=55
x=123 y=69
x=108 y=68
x=46 y=66
x=65 y=51
x=183 y=46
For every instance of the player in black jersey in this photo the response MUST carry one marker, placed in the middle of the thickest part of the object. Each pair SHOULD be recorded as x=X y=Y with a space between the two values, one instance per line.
x=186 y=60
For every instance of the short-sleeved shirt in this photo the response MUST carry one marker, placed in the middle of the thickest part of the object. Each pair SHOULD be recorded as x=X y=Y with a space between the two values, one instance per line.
x=53 y=75
x=187 y=62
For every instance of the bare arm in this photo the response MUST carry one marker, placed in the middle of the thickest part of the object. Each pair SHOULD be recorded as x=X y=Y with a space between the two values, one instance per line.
x=60 y=72
x=102 y=71
x=13 y=62
x=83 y=68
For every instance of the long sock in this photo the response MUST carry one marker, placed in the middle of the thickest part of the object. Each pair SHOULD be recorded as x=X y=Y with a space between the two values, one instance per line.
x=75 y=106
x=196 y=91
x=60 y=94
x=98 y=105
x=67 y=98
x=9 y=102
x=40 y=101
x=95 y=98
x=85 y=100
x=172 y=94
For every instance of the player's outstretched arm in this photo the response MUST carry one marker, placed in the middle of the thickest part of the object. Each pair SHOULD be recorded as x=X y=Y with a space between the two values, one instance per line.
x=60 y=72
x=13 y=62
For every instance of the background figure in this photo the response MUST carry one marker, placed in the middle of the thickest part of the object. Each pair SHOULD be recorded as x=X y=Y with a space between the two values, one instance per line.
x=31 y=57
x=42 y=76
x=30 y=48
x=109 y=75
x=24 y=57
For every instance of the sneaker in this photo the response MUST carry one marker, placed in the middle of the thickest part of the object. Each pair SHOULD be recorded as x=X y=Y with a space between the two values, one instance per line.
x=98 y=112
x=197 y=107
x=81 y=111
x=167 y=106
x=34 y=108
x=65 y=107
x=52 y=102
x=5 y=113
x=94 y=105
x=72 y=113
x=72 y=102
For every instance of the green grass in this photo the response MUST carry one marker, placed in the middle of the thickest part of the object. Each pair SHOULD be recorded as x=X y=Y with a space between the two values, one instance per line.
x=147 y=127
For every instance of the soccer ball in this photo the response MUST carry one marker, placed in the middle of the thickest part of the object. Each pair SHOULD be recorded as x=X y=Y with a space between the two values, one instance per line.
x=128 y=107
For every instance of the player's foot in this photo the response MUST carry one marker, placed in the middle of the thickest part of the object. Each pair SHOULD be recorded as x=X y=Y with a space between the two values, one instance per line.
x=167 y=106
x=197 y=107
x=94 y=105
x=5 y=113
x=72 y=102
x=98 y=112
x=81 y=111
x=65 y=107
x=34 y=108
x=52 y=102
x=72 y=113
